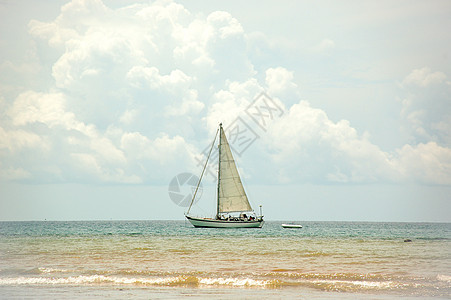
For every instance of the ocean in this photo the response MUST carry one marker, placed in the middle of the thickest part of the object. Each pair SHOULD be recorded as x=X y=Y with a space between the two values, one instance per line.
x=172 y=260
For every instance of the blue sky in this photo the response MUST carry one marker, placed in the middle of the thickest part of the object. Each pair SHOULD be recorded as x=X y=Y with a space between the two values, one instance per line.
x=103 y=103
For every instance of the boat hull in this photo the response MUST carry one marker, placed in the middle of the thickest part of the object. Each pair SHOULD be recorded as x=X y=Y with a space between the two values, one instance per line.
x=213 y=223
x=291 y=226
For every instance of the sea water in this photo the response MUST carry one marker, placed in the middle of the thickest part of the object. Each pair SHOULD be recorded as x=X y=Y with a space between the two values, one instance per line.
x=172 y=259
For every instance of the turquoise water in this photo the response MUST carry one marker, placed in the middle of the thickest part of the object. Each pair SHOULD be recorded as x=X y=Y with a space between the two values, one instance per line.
x=171 y=259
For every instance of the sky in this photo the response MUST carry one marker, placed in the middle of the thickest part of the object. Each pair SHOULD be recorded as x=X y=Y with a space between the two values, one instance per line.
x=335 y=110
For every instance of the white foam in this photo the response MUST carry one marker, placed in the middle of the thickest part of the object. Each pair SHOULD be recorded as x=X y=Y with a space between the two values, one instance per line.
x=52 y=270
x=233 y=281
x=373 y=284
x=444 y=278
x=45 y=280
x=101 y=279
x=87 y=280
x=362 y=284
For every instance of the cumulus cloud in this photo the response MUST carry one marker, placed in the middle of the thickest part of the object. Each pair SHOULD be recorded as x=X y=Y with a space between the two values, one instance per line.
x=279 y=80
x=428 y=163
x=176 y=86
x=75 y=151
x=231 y=102
x=307 y=145
x=138 y=91
x=15 y=140
x=34 y=107
x=152 y=78
x=426 y=108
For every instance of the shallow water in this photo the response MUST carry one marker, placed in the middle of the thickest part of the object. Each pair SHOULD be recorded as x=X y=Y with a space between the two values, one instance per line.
x=171 y=259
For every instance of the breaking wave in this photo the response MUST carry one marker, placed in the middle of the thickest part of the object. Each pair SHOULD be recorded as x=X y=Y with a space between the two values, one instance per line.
x=276 y=279
x=316 y=281
x=159 y=281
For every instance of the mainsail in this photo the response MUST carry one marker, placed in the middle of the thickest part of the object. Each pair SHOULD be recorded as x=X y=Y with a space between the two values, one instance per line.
x=231 y=194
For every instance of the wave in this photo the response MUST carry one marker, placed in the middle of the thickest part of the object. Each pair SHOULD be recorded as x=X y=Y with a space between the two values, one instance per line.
x=199 y=281
x=159 y=281
x=286 y=273
x=446 y=278
x=52 y=270
x=277 y=279
x=280 y=274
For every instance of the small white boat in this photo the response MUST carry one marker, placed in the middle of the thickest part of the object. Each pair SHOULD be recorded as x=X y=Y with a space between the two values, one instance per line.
x=291 y=226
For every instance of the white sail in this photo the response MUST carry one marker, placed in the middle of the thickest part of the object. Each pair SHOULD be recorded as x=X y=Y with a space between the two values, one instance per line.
x=231 y=194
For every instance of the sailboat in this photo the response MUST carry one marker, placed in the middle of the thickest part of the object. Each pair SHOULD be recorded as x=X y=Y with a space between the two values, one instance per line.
x=233 y=209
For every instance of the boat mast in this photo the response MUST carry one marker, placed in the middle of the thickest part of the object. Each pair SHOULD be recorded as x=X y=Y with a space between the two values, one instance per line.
x=219 y=168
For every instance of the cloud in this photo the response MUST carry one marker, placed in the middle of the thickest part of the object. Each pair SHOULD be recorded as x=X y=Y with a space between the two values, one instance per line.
x=426 y=109
x=176 y=85
x=424 y=78
x=325 y=46
x=227 y=48
x=93 y=171
x=11 y=174
x=426 y=163
x=151 y=77
x=116 y=70
x=70 y=150
x=162 y=150
x=129 y=116
x=307 y=145
x=15 y=140
x=231 y=102
x=279 y=81
x=161 y=158
x=34 y=107
x=137 y=91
